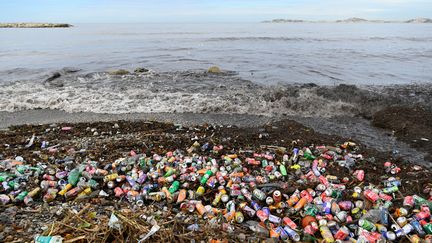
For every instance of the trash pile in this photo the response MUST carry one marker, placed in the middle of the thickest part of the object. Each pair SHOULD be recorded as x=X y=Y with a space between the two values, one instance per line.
x=299 y=194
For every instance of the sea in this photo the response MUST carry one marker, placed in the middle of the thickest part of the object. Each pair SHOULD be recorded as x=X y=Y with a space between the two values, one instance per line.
x=267 y=69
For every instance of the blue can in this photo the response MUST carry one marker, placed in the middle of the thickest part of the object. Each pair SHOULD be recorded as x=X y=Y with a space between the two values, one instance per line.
x=291 y=233
x=255 y=205
x=418 y=228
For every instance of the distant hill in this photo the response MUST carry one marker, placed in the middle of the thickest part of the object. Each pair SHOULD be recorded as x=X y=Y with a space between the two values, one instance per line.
x=34 y=25
x=285 y=21
x=420 y=20
x=351 y=20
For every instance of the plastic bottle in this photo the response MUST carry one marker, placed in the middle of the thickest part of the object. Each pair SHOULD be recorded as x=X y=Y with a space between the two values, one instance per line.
x=74 y=176
x=48 y=239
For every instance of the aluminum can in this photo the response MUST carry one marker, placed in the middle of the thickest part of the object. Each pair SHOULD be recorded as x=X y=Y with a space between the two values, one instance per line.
x=342 y=233
x=288 y=222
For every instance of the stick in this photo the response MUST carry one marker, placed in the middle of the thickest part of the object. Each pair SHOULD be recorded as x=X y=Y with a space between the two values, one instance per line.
x=394 y=221
x=76 y=239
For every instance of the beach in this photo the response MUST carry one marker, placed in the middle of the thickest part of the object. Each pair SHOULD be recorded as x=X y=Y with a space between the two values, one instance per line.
x=87 y=112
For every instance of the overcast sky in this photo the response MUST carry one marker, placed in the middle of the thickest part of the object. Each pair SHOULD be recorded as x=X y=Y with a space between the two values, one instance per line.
x=113 y=11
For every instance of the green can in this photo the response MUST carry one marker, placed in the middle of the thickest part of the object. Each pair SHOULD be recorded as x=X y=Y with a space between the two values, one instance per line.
x=308 y=156
x=3 y=177
x=12 y=184
x=174 y=187
x=206 y=176
x=170 y=172
x=21 y=168
x=391 y=189
x=367 y=225
x=142 y=162
x=420 y=201
x=283 y=170
x=311 y=210
x=21 y=196
x=334 y=193
x=428 y=228
x=387 y=204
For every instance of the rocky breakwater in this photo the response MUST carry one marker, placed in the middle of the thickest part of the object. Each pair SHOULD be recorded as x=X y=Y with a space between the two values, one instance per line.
x=34 y=25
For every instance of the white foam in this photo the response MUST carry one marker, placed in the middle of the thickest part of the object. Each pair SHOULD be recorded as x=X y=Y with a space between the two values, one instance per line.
x=102 y=93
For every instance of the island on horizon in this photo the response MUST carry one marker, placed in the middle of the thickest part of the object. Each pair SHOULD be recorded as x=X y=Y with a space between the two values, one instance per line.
x=351 y=20
x=35 y=25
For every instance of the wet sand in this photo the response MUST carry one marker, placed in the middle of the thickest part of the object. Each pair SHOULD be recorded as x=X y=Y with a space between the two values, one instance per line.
x=356 y=128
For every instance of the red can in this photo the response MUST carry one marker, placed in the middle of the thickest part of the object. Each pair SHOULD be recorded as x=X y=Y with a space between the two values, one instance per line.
x=387 y=164
x=277 y=196
x=47 y=184
x=425 y=208
x=118 y=192
x=309 y=230
x=395 y=170
x=359 y=174
x=422 y=215
x=385 y=197
x=371 y=196
x=262 y=215
x=251 y=161
x=48 y=177
x=408 y=201
x=323 y=180
x=342 y=233
x=305 y=194
x=371 y=237
x=288 y=222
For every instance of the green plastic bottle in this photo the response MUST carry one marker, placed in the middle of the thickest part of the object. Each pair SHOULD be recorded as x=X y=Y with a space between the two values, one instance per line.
x=74 y=177
x=174 y=187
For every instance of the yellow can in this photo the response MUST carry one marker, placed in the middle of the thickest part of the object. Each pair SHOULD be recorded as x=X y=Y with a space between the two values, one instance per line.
x=200 y=191
x=110 y=177
x=65 y=189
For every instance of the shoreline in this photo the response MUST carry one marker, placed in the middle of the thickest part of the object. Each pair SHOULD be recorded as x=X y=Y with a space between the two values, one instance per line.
x=358 y=129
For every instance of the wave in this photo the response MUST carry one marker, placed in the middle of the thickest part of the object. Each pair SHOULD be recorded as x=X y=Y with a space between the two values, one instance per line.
x=200 y=92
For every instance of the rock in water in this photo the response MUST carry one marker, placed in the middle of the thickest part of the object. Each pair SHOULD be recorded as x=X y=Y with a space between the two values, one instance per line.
x=214 y=69
x=119 y=72
x=141 y=70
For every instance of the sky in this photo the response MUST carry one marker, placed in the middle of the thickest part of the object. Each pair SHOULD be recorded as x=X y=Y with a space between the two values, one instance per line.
x=125 y=11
